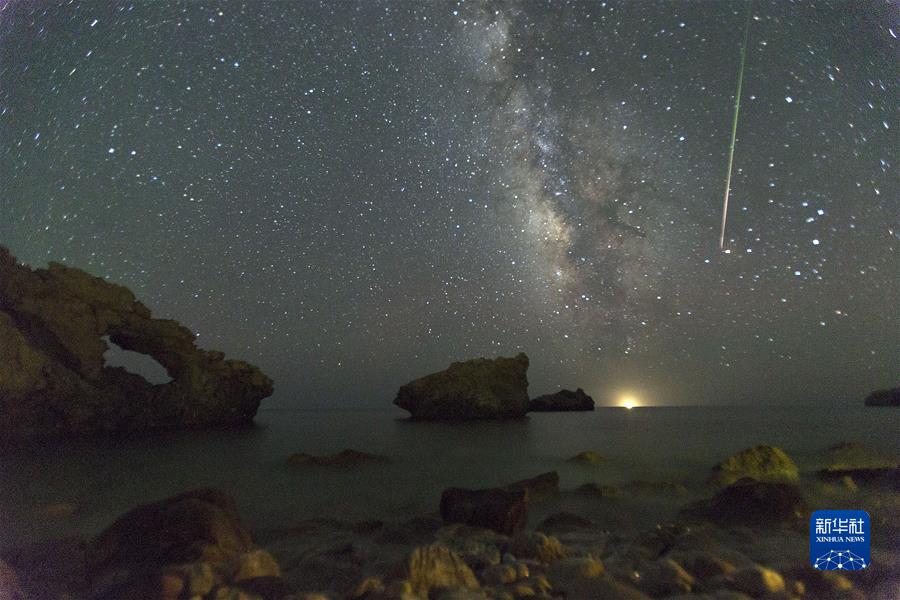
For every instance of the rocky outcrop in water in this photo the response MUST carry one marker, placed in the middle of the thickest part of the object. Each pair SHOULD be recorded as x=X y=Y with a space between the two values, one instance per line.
x=763 y=463
x=562 y=401
x=889 y=397
x=752 y=503
x=53 y=376
x=504 y=511
x=475 y=389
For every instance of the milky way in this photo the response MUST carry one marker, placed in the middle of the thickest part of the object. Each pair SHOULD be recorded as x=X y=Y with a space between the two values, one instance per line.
x=353 y=194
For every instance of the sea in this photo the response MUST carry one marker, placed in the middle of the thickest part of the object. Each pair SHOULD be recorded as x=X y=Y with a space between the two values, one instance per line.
x=78 y=487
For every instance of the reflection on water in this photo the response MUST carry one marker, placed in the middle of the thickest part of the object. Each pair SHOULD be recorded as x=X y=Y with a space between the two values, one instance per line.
x=102 y=478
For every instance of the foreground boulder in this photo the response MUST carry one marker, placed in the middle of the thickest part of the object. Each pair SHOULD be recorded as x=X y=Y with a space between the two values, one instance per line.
x=539 y=487
x=475 y=389
x=563 y=400
x=504 y=511
x=763 y=463
x=753 y=504
x=53 y=377
x=889 y=397
x=193 y=544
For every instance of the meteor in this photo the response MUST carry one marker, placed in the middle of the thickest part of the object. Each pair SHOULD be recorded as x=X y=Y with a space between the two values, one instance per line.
x=734 y=124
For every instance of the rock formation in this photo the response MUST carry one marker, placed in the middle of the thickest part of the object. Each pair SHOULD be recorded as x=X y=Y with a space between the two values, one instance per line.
x=53 y=378
x=191 y=545
x=752 y=503
x=475 y=389
x=563 y=400
x=889 y=397
x=763 y=463
x=504 y=511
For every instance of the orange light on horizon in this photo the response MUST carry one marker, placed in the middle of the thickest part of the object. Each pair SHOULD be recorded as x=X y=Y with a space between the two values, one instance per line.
x=629 y=402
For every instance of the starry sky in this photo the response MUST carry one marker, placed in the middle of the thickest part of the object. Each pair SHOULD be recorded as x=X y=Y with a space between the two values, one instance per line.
x=353 y=194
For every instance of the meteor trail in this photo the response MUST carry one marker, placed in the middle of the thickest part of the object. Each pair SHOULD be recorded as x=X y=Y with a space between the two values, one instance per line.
x=737 y=108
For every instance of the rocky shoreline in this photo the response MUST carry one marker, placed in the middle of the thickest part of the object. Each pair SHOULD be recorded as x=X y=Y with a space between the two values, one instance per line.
x=746 y=537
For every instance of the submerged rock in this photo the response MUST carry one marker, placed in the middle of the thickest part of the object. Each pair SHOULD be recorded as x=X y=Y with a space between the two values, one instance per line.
x=853 y=455
x=53 y=376
x=763 y=463
x=344 y=458
x=475 y=389
x=752 y=503
x=588 y=457
x=563 y=400
x=889 y=397
x=504 y=511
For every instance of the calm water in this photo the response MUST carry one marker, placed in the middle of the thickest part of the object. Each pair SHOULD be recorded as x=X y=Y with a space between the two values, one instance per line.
x=103 y=478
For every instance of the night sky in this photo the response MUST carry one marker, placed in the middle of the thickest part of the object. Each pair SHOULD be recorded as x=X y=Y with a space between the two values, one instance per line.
x=351 y=195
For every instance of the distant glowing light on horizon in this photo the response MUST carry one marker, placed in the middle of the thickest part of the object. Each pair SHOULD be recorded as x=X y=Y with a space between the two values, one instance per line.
x=629 y=402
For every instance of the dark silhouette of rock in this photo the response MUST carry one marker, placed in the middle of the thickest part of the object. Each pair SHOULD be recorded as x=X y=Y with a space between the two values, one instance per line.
x=475 y=389
x=752 y=503
x=763 y=463
x=504 y=511
x=53 y=377
x=539 y=487
x=183 y=546
x=889 y=397
x=345 y=458
x=563 y=400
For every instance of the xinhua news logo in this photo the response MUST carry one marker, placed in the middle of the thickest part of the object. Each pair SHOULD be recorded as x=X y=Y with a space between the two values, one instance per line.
x=839 y=540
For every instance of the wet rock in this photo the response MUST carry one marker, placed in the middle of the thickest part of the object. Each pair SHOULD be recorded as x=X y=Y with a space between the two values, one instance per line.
x=475 y=389
x=758 y=581
x=479 y=547
x=53 y=377
x=501 y=574
x=194 y=543
x=585 y=578
x=704 y=565
x=345 y=458
x=504 y=511
x=664 y=577
x=763 y=463
x=564 y=522
x=545 y=485
x=576 y=567
x=563 y=400
x=435 y=567
x=822 y=585
x=253 y=564
x=588 y=457
x=751 y=503
x=890 y=397
x=536 y=545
